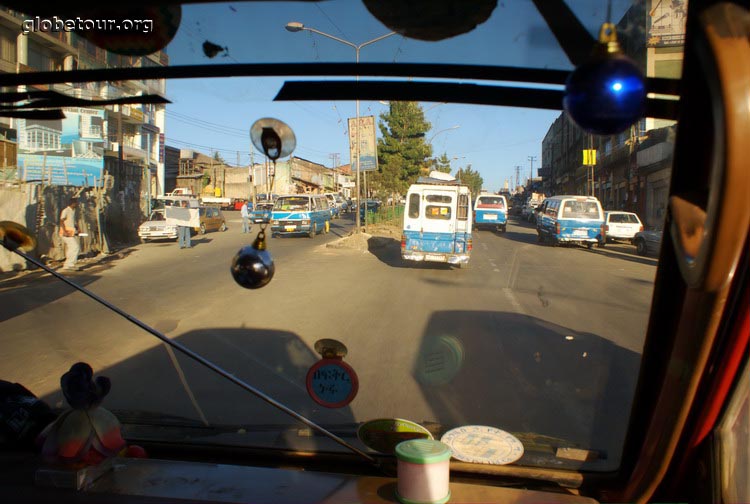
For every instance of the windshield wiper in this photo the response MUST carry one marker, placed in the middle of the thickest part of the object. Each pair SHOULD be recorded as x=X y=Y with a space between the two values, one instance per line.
x=14 y=241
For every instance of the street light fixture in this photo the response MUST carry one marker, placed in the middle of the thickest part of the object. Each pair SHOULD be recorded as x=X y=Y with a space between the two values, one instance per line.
x=443 y=131
x=294 y=27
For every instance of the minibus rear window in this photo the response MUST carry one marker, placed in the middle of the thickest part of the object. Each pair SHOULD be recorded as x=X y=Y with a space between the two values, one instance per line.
x=580 y=210
x=490 y=203
x=438 y=212
x=438 y=198
x=414 y=206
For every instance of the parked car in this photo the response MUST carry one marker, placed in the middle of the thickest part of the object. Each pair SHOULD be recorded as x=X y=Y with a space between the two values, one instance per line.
x=621 y=226
x=528 y=211
x=372 y=207
x=647 y=242
x=156 y=227
x=211 y=219
x=342 y=204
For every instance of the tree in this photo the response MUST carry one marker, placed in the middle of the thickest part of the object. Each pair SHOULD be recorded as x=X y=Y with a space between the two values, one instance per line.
x=442 y=163
x=402 y=151
x=471 y=178
x=217 y=157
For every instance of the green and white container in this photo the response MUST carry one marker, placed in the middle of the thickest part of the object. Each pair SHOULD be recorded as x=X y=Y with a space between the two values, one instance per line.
x=423 y=472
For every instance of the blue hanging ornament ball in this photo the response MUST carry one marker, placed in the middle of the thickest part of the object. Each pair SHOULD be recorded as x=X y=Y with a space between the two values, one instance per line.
x=252 y=267
x=606 y=94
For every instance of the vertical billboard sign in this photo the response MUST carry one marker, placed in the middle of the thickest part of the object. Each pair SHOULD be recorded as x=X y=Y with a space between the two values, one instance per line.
x=368 y=146
x=67 y=151
x=162 y=147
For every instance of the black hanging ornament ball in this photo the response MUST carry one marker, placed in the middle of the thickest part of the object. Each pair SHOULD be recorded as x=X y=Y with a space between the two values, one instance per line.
x=606 y=94
x=253 y=266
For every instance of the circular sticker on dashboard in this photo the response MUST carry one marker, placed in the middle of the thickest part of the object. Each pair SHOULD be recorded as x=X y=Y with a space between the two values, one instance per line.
x=332 y=383
x=481 y=444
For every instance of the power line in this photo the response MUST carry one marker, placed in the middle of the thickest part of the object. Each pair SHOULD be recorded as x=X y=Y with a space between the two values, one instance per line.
x=331 y=20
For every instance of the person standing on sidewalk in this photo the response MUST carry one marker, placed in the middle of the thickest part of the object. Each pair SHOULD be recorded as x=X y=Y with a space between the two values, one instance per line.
x=183 y=232
x=245 y=213
x=69 y=234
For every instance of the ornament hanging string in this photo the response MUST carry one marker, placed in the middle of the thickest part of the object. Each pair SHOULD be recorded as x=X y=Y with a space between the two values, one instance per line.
x=263 y=225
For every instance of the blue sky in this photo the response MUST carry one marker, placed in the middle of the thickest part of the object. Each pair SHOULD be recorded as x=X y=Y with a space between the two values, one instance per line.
x=217 y=113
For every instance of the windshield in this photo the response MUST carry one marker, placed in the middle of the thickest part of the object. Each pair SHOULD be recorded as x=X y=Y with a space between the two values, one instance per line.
x=446 y=324
x=291 y=203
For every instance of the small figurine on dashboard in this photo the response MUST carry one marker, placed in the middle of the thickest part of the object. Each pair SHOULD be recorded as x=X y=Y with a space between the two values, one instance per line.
x=86 y=434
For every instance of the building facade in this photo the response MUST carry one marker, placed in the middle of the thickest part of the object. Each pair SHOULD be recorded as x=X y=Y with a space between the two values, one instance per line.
x=632 y=168
x=132 y=134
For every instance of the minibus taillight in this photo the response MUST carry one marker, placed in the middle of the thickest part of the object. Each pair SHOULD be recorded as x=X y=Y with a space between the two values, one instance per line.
x=469 y=246
x=403 y=241
x=557 y=228
x=641 y=228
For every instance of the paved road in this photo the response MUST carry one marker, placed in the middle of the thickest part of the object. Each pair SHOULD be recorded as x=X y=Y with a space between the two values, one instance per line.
x=529 y=338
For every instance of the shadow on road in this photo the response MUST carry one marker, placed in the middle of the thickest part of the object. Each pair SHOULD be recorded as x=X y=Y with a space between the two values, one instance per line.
x=626 y=256
x=515 y=236
x=200 y=241
x=388 y=251
x=164 y=382
x=30 y=290
x=524 y=375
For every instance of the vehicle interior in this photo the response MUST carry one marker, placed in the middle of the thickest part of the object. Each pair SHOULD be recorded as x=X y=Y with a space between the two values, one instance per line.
x=638 y=392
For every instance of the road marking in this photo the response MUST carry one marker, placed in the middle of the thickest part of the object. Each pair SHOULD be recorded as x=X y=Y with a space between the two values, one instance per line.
x=484 y=246
x=496 y=270
x=513 y=301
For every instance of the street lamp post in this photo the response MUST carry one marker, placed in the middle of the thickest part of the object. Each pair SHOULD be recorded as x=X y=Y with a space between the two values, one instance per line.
x=443 y=131
x=294 y=27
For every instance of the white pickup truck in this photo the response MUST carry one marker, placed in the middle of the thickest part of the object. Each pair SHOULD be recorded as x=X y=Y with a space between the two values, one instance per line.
x=224 y=203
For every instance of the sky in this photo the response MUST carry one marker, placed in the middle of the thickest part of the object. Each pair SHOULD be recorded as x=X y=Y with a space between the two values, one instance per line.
x=216 y=114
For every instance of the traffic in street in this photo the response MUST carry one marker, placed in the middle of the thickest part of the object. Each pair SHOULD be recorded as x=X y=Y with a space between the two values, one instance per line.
x=511 y=315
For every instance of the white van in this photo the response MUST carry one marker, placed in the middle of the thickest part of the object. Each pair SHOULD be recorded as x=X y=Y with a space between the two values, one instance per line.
x=437 y=221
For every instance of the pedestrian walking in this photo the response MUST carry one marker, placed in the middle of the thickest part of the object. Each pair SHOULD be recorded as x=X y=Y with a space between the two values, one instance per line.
x=183 y=232
x=245 y=213
x=69 y=234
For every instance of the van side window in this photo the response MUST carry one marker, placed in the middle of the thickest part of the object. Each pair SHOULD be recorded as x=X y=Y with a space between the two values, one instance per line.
x=463 y=207
x=414 y=206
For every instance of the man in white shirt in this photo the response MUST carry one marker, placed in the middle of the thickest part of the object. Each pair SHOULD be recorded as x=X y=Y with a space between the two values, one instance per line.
x=245 y=213
x=69 y=235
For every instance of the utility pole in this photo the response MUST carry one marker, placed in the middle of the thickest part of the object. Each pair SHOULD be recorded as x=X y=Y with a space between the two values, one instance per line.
x=531 y=170
x=518 y=177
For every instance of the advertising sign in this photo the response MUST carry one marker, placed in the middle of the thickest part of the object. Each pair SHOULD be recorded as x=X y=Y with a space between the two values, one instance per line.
x=67 y=151
x=368 y=145
x=162 y=148
x=667 y=22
